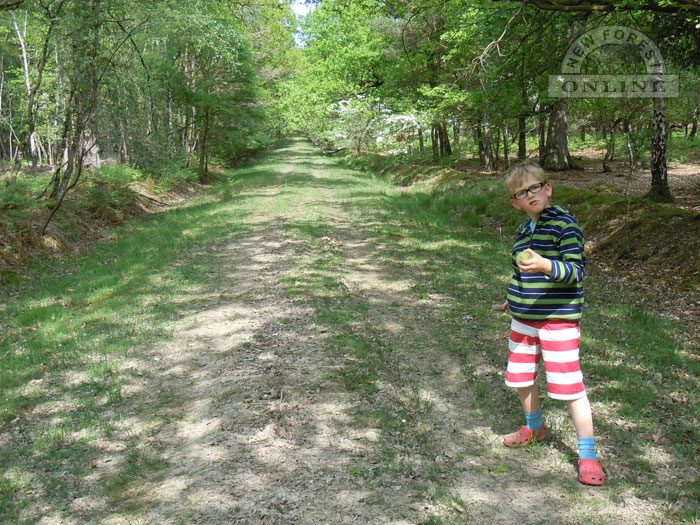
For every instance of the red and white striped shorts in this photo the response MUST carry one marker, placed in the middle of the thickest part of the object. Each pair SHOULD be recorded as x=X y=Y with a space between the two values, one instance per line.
x=557 y=341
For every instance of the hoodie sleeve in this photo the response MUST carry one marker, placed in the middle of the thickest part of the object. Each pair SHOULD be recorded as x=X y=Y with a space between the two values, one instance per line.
x=569 y=269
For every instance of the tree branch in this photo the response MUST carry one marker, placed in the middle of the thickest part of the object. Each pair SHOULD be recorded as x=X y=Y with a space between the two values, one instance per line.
x=479 y=61
x=10 y=4
x=669 y=6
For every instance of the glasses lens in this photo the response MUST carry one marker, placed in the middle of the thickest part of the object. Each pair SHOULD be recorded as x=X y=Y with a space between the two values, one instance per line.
x=532 y=189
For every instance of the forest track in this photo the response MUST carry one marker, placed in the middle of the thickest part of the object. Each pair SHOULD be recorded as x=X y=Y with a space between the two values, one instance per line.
x=315 y=385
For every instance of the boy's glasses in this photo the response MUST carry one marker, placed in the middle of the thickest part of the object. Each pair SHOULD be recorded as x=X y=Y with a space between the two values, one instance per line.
x=532 y=189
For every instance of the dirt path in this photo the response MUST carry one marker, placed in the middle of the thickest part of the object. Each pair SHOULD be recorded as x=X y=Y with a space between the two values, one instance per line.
x=257 y=410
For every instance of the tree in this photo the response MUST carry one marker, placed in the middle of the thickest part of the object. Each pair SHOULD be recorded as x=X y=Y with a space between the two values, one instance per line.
x=51 y=14
x=660 y=189
x=557 y=156
x=152 y=83
x=10 y=4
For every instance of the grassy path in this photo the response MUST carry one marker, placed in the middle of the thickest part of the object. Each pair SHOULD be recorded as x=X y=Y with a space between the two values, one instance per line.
x=312 y=345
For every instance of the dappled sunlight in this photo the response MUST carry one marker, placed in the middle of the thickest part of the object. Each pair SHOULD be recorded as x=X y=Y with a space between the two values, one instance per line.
x=323 y=351
x=175 y=488
x=452 y=243
x=254 y=397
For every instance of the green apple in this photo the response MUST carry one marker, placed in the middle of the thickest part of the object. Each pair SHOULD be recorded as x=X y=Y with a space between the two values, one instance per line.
x=521 y=257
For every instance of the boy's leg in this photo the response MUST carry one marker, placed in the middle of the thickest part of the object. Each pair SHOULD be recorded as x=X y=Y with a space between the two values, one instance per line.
x=560 y=349
x=582 y=416
x=529 y=398
x=590 y=469
x=534 y=429
x=523 y=356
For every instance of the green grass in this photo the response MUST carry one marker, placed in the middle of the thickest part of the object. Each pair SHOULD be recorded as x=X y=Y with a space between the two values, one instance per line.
x=68 y=330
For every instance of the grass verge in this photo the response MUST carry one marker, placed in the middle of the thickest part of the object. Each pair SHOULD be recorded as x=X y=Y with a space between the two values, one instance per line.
x=103 y=199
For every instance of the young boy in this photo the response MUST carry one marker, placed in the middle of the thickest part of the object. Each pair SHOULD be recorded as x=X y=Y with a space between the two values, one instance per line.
x=545 y=297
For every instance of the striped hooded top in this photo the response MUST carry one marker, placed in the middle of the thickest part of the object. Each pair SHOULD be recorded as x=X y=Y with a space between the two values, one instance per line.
x=536 y=296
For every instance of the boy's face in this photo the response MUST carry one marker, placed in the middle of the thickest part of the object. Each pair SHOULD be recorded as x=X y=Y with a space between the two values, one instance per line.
x=532 y=204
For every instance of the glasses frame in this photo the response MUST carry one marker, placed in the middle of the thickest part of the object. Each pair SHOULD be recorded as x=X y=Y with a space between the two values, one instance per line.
x=523 y=193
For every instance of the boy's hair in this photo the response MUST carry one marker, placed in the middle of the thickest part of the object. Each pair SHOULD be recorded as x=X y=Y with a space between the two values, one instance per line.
x=520 y=172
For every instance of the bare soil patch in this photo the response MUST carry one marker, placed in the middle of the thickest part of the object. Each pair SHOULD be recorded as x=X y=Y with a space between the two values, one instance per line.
x=683 y=179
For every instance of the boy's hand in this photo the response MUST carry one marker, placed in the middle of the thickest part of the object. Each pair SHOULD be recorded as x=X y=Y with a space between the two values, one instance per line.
x=498 y=307
x=536 y=263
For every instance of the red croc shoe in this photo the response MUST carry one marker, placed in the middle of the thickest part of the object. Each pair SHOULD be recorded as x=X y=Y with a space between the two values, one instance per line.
x=524 y=437
x=590 y=472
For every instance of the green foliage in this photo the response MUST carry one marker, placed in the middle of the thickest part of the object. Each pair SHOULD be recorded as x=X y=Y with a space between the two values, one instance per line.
x=119 y=177
x=395 y=70
x=118 y=174
x=175 y=176
x=15 y=200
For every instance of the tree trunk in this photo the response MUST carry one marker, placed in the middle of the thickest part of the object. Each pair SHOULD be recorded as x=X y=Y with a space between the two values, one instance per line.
x=80 y=109
x=435 y=141
x=609 y=151
x=204 y=149
x=489 y=164
x=479 y=139
x=522 y=136
x=557 y=156
x=445 y=148
x=496 y=146
x=31 y=119
x=32 y=90
x=456 y=125
x=630 y=147
x=74 y=169
x=123 y=150
x=61 y=148
x=190 y=135
x=522 y=118
x=542 y=133
x=421 y=143
x=506 y=152
x=171 y=126
x=660 y=190
x=694 y=129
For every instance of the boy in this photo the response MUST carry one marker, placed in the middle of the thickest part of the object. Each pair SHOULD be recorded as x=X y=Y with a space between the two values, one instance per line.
x=545 y=297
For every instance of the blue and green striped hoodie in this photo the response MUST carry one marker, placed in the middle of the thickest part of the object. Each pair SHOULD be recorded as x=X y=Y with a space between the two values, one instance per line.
x=536 y=296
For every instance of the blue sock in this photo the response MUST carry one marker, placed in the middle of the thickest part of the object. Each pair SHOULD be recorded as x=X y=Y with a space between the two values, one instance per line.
x=586 y=448
x=534 y=420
